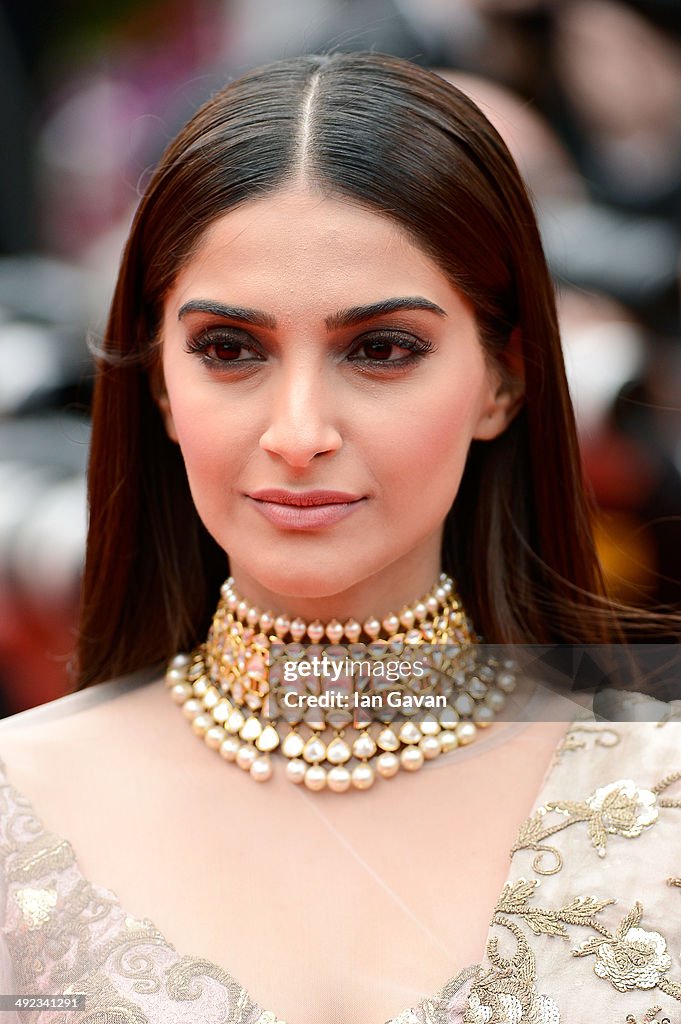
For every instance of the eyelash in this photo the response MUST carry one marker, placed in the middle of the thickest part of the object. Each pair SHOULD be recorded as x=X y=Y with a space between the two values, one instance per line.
x=207 y=339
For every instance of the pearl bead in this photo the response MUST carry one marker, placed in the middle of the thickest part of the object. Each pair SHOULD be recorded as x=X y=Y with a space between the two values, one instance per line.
x=483 y=715
x=315 y=777
x=372 y=627
x=253 y=616
x=295 y=771
x=448 y=741
x=495 y=699
x=334 y=631
x=298 y=628
x=338 y=779
x=181 y=692
x=266 y=622
x=353 y=630
x=245 y=756
x=180 y=661
x=506 y=681
x=281 y=625
x=192 y=708
x=411 y=758
x=261 y=769
x=420 y=611
x=201 y=723
x=363 y=776
x=387 y=765
x=391 y=624
x=215 y=736
x=315 y=631
x=229 y=748
x=466 y=732
x=430 y=747
x=175 y=675
x=407 y=618
x=432 y=605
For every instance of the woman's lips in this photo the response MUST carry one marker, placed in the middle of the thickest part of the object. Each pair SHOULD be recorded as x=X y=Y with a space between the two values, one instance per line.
x=309 y=510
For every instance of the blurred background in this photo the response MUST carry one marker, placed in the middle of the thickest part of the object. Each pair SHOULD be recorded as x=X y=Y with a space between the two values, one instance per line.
x=587 y=93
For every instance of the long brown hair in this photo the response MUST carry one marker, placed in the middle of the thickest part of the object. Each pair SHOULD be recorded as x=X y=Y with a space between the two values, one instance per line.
x=407 y=144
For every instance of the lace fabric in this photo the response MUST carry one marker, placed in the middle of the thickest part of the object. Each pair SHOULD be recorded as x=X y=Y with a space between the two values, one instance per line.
x=584 y=928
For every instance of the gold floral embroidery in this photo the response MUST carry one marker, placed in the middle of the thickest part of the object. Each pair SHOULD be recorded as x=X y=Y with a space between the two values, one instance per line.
x=649 y=1017
x=449 y=1003
x=603 y=736
x=507 y=992
x=620 y=808
x=630 y=957
x=36 y=905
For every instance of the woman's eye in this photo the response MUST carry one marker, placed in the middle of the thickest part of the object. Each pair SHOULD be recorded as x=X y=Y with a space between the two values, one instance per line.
x=397 y=350
x=223 y=347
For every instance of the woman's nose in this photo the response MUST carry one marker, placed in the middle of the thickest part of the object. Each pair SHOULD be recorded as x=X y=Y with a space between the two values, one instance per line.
x=301 y=421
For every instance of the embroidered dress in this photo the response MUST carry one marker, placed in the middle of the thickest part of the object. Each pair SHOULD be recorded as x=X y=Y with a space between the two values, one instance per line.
x=586 y=928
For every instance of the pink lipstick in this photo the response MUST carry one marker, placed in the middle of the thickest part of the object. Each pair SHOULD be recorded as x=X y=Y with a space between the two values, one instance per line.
x=304 y=510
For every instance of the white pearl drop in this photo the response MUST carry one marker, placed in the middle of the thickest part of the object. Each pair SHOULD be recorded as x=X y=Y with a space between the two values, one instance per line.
x=229 y=748
x=430 y=747
x=246 y=755
x=315 y=777
x=295 y=770
x=180 y=693
x=338 y=779
x=411 y=758
x=215 y=737
x=466 y=732
x=192 y=708
x=387 y=765
x=261 y=769
x=363 y=776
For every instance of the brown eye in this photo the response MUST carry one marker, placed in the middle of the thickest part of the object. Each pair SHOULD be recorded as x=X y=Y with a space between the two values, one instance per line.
x=380 y=349
x=224 y=352
x=218 y=348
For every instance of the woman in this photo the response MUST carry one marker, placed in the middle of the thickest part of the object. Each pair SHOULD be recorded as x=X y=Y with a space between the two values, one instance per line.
x=332 y=370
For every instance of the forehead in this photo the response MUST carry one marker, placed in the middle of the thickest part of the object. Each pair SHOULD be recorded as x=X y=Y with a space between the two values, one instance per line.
x=300 y=248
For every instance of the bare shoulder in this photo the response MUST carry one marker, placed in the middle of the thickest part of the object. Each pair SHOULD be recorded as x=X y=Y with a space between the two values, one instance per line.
x=48 y=749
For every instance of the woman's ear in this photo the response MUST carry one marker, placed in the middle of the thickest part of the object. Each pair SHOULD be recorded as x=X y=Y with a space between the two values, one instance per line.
x=159 y=393
x=507 y=391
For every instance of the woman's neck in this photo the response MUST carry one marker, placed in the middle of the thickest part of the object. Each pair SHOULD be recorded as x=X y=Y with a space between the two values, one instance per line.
x=378 y=595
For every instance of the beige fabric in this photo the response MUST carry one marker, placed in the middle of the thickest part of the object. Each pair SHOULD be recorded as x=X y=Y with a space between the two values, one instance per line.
x=339 y=908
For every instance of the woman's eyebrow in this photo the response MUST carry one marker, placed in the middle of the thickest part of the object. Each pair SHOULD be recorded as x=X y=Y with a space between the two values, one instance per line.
x=356 y=314
x=343 y=318
x=248 y=316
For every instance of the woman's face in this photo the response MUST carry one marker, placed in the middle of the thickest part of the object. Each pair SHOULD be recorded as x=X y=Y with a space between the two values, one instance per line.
x=311 y=350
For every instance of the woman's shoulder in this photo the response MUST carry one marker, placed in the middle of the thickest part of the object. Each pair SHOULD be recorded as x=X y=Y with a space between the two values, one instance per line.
x=55 y=749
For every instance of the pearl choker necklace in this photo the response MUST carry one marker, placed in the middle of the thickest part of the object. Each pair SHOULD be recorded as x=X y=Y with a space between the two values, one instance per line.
x=262 y=683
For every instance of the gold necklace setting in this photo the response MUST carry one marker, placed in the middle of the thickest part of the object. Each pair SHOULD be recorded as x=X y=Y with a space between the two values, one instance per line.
x=235 y=690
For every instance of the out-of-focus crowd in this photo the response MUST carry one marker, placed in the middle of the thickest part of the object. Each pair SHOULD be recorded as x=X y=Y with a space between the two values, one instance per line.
x=587 y=94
